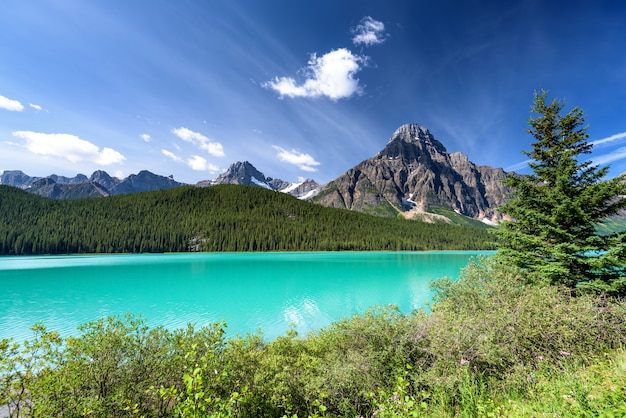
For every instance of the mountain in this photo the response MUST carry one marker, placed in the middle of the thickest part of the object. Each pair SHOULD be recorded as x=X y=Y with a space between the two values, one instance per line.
x=246 y=174
x=17 y=178
x=104 y=179
x=99 y=184
x=80 y=178
x=415 y=176
x=48 y=187
x=243 y=173
x=142 y=182
x=306 y=189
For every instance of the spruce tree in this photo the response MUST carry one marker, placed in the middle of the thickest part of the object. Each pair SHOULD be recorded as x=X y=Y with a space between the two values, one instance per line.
x=552 y=233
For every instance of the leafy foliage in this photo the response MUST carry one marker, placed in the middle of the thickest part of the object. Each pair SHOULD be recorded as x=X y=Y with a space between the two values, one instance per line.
x=555 y=209
x=218 y=218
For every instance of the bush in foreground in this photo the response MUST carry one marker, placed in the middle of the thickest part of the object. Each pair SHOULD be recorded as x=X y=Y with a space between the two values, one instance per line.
x=491 y=345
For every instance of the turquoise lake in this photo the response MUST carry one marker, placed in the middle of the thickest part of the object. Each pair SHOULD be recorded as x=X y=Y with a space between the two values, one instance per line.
x=250 y=291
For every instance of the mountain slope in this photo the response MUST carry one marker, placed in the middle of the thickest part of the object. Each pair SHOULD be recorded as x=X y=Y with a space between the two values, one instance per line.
x=414 y=175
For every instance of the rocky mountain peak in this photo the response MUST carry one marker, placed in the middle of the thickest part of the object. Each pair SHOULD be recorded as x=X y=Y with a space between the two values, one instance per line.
x=413 y=133
x=242 y=173
x=413 y=142
x=410 y=131
x=414 y=174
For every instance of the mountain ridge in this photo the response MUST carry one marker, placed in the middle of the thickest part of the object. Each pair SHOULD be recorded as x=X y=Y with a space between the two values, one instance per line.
x=412 y=176
x=100 y=184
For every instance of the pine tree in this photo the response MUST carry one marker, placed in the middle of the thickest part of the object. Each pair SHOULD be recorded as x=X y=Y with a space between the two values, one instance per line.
x=555 y=210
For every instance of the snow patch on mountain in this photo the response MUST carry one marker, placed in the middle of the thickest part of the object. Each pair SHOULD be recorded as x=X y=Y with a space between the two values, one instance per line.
x=260 y=183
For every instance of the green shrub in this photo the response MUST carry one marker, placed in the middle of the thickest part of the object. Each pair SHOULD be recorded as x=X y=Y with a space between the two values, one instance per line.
x=494 y=329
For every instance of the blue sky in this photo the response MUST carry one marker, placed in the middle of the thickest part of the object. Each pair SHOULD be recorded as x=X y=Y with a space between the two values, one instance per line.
x=301 y=89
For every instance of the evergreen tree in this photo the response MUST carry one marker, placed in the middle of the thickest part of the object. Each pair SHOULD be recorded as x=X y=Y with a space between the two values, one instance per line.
x=555 y=210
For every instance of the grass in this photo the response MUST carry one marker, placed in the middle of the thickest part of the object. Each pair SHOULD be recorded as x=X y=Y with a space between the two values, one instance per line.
x=598 y=389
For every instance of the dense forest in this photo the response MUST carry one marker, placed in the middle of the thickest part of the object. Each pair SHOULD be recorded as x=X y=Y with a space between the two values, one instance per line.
x=218 y=218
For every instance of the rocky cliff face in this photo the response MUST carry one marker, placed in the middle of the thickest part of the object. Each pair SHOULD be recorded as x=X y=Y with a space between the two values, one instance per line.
x=415 y=174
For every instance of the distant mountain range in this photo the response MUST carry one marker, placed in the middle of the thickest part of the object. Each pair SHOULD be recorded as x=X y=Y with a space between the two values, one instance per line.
x=101 y=184
x=98 y=185
x=413 y=175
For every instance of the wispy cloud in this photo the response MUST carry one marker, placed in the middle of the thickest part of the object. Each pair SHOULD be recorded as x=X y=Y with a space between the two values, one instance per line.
x=304 y=161
x=331 y=76
x=615 y=155
x=609 y=139
x=369 y=32
x=213 y=148
x=195 y=162
x=35 y=106
x=12 y=105
x=145 y=137
x=69 y=147
x=518 y=166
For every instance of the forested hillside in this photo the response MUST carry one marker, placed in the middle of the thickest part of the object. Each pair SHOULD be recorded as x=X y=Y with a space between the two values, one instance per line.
x=219 y=218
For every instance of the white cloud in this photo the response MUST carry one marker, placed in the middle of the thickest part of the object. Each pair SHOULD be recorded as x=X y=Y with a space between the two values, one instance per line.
x=200 y=164
x=196 y=162
x=331 y=75
x=12 y=105
x=145 y=137
x=369 y=32
x=609 y=139
x=35 y=106
x=213 y=148
x=171 y=155
x=69 y=147
x=304 y=161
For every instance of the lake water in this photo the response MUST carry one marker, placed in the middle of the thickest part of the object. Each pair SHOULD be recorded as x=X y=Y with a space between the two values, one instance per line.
x=250 y=291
